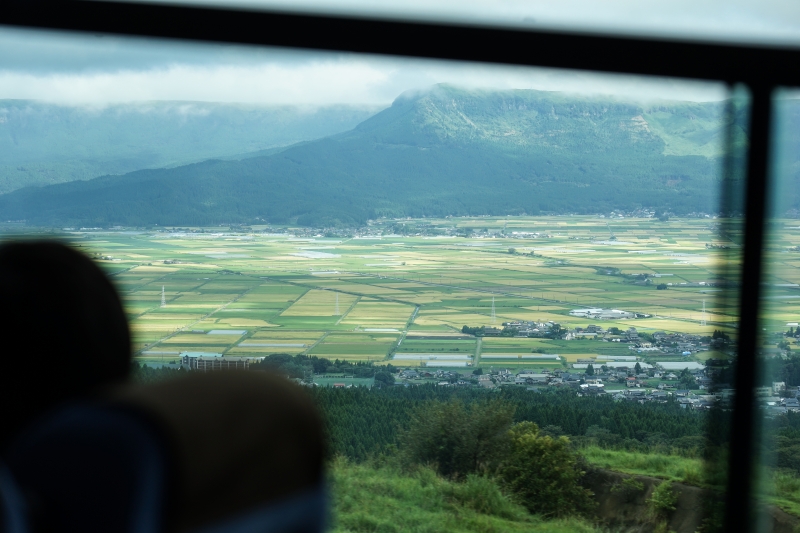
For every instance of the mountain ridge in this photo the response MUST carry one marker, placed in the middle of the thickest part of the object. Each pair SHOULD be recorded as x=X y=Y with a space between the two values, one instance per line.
x=42 y=144
x=445 y=151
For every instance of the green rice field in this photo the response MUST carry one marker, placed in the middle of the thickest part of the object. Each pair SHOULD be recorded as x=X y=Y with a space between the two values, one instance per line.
x=357 y=298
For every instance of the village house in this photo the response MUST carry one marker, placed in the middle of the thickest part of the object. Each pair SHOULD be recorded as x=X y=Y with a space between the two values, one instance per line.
x=791 y=404
x=763 y=391
x=531 y=379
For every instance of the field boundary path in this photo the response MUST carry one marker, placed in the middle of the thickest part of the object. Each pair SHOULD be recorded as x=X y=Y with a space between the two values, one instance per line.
x=112 y=274
x=311 y=286
x=405 y=331
x=485 y=291
x=184 y=328
x=477 y=358
x=316 y=342
x=358 y=299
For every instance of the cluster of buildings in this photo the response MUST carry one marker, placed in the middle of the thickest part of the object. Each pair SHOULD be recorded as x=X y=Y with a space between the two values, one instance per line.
x=638 y=388
x=773 y=401
x=777 y=399
x=687 y=399
x=538 y=329
x=443 y=378
x=616 y=373
x=205 y=361
x=598 y=313
x=683 y=343
x=622 y=375
x=659 y=342
x=423 y=373
x=523 y=328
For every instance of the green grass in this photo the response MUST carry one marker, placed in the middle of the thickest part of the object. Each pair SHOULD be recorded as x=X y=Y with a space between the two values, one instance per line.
x=370 y=498
x=781 y=488
x=778 y=487
x=671 y=467
x=426 y=346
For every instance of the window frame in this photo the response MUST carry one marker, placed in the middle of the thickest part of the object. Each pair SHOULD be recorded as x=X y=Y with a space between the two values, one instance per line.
x=762 y=69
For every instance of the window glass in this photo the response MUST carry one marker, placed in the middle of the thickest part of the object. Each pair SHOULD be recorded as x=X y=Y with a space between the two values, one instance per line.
x=425 y=245
x=777 y=384
x=766 y=21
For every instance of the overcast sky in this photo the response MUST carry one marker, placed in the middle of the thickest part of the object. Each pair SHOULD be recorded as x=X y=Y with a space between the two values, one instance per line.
x=95 y=70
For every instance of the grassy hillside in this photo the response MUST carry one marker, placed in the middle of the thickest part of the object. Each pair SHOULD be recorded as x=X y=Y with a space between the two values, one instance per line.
x=42 y=144
x=442 y=152
x=673 y=467
x=780 y=487
x=371 y=498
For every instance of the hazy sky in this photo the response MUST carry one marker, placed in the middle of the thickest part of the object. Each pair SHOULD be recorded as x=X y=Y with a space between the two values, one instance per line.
x=78 y=69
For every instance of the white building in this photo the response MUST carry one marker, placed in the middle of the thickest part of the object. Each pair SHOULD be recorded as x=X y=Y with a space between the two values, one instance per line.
x=602 y=314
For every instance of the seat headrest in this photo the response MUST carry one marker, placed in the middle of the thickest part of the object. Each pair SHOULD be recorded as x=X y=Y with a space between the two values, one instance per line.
x=220 y=452
x=90 y=468
x=237 y=441
x=13 y=512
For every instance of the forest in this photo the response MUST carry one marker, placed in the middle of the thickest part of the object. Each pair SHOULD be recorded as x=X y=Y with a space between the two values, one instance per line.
x=363 y=422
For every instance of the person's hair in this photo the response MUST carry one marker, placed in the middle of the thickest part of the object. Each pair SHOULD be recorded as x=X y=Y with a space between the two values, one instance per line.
x=65 y=332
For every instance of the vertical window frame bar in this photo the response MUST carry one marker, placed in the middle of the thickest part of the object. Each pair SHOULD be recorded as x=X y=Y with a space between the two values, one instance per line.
x=740 y=508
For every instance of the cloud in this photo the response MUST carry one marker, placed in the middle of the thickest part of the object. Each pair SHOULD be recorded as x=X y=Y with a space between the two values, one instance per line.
x=314 y=84
x=318 y=79
x=95 y=69
x=77 y=69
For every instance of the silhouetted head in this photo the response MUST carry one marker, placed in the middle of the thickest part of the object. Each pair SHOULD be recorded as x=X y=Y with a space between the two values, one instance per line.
x=65 y=333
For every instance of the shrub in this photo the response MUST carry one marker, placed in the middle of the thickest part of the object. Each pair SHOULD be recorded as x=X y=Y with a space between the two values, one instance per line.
x=602 y=436
x=544 y=473
x=786 y=484
x=691 y=475
x=483 y=495
x=457 y=439
x=662 y=501
x=628 y=488
x=384 y=377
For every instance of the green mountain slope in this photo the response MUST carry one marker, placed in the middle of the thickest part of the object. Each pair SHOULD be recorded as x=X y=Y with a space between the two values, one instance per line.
x=445 y=151
x=42 y=144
